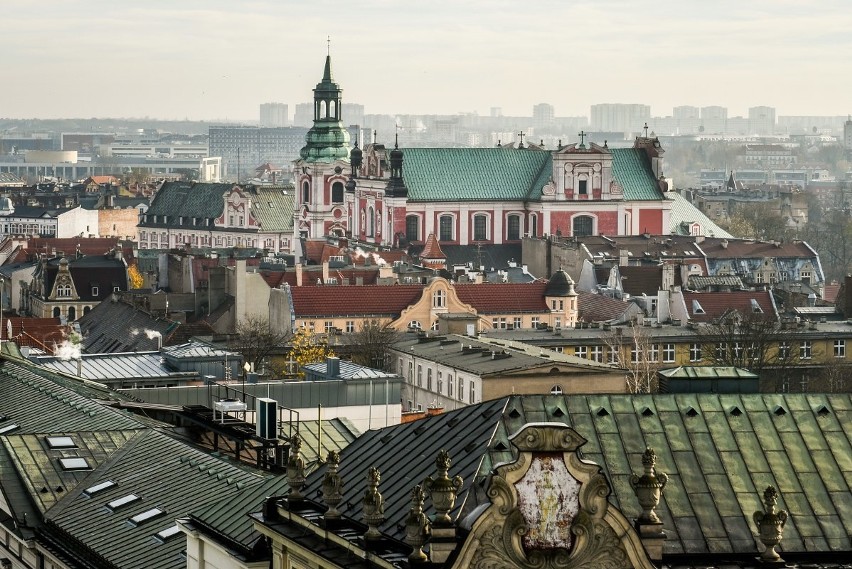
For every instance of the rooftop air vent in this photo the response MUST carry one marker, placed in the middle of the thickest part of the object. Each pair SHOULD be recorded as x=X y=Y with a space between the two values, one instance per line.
x=646 y=412
x=736 y=412
x=822 y=411
x=500 y=446
x=691 y=412
x=514 y=414
x=779 y=411
x=602 y=412
x=559 y=412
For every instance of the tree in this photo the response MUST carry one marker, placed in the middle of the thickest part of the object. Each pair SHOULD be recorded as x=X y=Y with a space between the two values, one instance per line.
x=756 y=342
x=256 y=339
x=134 y=277
x=634 y=351
x=308 y=348
x=370 y=344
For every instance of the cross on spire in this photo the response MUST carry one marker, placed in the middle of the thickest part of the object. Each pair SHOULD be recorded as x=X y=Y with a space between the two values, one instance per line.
x=582 y=135
x=328 y=47
x=646 y=130
x=522 y=134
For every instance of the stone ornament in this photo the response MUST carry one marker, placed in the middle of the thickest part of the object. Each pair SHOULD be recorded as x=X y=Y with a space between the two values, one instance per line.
x=332 y=486
x=549 y=510
x=649 y=487
x=770 y=525
x=443 y=489
x=295 y=468
x=373 y=505
x=417 y=529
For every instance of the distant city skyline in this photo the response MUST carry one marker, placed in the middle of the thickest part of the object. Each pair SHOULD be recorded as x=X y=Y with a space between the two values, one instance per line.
x=216 y=60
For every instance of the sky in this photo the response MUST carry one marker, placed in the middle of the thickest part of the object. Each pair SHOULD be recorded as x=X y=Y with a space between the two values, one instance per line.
x=219 y=59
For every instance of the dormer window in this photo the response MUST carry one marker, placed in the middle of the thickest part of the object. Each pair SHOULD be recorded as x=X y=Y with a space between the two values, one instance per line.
x=755 y=307
x=95 y=291
x=696 y=308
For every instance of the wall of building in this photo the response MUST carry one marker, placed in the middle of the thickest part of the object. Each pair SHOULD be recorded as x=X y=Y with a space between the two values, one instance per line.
x=78 y=222
x=118 y=223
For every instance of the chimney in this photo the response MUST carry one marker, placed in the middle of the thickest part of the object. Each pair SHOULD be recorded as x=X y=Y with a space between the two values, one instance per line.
x=724 y=243
x=668 y=276
x=623 y=256
x=298 y=274
x=332 y=367
x=325 y=272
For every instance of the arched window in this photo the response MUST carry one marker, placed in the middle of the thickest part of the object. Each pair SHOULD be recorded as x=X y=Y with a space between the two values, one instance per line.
x=583 y=226
x=57 y=312
x=412 y=227
x=371 y=222
x=323 y=109
x=306 y=192
x=513 y=228
x=86 y=310
x=337 y=192
x=332 y=109
x=480 y=227
x=533 y=225
x=445 y=229
x=556 y=390
x=72 y=314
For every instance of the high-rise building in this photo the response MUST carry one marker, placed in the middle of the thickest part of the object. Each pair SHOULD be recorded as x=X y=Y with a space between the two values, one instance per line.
x=761 y=120
x=304 y=115
x=274 y=114
x=714 y=119
x=543 y=115
x=685 y=112
x=619 y=117
x=244 y=148
x=847 y=133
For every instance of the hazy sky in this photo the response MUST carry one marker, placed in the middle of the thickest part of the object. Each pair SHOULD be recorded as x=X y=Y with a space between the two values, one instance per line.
x=217 y=59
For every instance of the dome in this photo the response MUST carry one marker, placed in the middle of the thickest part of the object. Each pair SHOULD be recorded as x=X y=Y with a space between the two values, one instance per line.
x=560 y=284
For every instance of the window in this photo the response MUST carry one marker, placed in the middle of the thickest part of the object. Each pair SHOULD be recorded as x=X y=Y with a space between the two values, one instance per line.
x=472 y=393
x=439 y=299
x=534 y=322
x=556 y=390
x=784 y=350
x=350 y=326
x=105 y=485
x=805 y=350
x=74 y=464
x=581 y=351
x=634 y=353
x=654 y=353
x=445 y=228
x=440 y=382
x=517 y=322
x=480 y=227
x=461 y=389
x=534 y=225
x=557 y=322
x=419 y=376
x=721 y=348
x=337 y=192
x=513 y=228
x=583 y=226
x=329 y=326
x=371 y=221
x=95 y=291
x=668 y=353
x=410 y=372
x=412 y=227
x=597 y=353
x=805 y=276
x=449 y=385
x=306 y=194
x=498 y=323
x=60 y=442
x=840 y=348
x=168 y=533
x=429 y=379
x=8 y=428
x=146 y=516
x=583 y=188
x=695 y=352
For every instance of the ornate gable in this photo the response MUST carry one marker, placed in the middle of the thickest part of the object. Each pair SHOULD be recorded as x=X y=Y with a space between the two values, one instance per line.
x=549 y=510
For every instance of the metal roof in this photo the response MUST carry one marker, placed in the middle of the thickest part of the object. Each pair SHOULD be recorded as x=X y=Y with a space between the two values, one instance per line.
x=708 y=372
x=348 y=370
x=109 y=368
x=192 y=349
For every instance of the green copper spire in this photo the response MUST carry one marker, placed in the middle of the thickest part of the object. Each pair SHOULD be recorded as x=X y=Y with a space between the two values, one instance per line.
x=327 y=140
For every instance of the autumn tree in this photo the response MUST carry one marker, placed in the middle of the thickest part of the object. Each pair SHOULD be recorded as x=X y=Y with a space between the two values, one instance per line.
x=634 y=350
x=134 y=277
x=308 y=348
x=371 y=343
x=255 y=339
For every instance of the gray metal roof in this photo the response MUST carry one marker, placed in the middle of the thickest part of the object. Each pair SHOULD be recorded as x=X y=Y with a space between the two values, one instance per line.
x=111 y=368
x=348 y=370
x=193 y=350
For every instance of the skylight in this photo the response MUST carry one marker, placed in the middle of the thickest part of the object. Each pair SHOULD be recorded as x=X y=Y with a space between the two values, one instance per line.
x=61 y=442
x=146 y=515
x=167 y=533
x=123 y=501
x=8 y=428
x=74 y=464
x=92 y=490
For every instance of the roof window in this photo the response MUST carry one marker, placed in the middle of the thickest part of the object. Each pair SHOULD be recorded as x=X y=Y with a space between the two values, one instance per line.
x=74 y=464
x=168 y=533
x=146 y=516
x=8 y=428
x=105 y=485
x=60 y=442
x=696 y=307
x=755 y=307
x=123 y=501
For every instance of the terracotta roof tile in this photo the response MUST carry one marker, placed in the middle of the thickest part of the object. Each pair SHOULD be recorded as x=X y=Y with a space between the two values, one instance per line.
x=705 y=306
x=593 y=307
x=504 y=298
x=432 y=249
x=353 y=300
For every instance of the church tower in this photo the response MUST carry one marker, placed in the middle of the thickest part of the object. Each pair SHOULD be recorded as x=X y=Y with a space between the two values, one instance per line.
x=322 y=171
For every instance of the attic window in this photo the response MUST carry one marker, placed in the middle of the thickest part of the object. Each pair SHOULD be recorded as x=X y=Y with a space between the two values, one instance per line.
x=8 y=428
x=74 y=464
x=696 y=307
x=514 y=414
x=779 y=411
x=500 y=446
x=60 y=442
x=167 y=534
x=736 y=412
x=95 y=291
x=691 y=412
x=146 y=516
x=105 y=485
x=123 y=501
x=559 y=412
x=822 y=411
x=755 y=307
x=646 y=412
x=602 y=412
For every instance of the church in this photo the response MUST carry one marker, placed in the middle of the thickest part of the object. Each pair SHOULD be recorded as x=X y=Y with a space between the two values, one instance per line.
x=396 y=197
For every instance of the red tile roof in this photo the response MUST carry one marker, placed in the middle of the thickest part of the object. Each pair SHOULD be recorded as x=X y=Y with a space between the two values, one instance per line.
x=593 y=307
x=432 y=249
x=341 y=301
x=831 y=291
x=716 y=248
x=42 y=333
x=504 y=298
x=717 y=304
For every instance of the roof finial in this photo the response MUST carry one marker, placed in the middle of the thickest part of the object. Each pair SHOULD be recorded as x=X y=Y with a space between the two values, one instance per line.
x=582 y=134
x=375 y=134
x=328 y=47
x=646 y=130
x=522 y=134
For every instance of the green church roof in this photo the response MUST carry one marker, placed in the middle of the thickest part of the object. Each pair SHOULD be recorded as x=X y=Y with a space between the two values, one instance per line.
x=481 y=174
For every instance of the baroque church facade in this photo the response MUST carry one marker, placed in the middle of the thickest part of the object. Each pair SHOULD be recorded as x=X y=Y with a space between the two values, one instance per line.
x=394 y=197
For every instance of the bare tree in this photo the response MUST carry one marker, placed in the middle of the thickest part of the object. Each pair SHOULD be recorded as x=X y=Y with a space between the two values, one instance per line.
x=632 y=349
x=256 y=339
x=371 y=342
